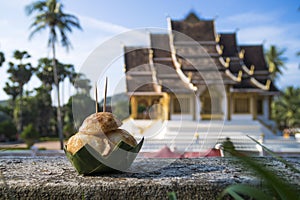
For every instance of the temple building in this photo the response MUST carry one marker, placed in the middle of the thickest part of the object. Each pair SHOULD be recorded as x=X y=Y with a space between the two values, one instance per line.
x=194 y=73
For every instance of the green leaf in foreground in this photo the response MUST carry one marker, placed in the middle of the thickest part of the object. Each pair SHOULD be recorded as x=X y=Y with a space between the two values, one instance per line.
x=236 y=190
x=172 y=196
x=276 y=186
x=275 y=156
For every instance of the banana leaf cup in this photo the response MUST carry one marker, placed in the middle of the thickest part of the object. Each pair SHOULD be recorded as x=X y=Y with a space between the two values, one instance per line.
x=88 y=161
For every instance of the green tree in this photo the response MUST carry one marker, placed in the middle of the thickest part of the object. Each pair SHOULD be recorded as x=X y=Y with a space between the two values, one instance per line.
x=20 y=74
x=286 y=109
x=45 y=71
x=2 y=58
x=13 y=90
x=82 y=85
x=8 y=130
x=82 y=101
x=29 y=111
x=38 y=110
x=276 y=61
x=29 y=135
x=5 y=111
x=49 y=15
x=121 y=110
x=44 y=109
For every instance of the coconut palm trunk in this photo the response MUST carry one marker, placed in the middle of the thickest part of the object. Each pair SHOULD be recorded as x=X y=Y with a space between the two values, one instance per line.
x=58 y=110
x=20 y=121
x=49 y=15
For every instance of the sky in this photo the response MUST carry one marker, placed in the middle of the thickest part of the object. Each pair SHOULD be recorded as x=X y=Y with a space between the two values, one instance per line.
x=255 y=22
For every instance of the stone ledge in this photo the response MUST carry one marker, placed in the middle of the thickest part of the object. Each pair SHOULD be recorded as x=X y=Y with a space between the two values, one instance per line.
x=55 y=178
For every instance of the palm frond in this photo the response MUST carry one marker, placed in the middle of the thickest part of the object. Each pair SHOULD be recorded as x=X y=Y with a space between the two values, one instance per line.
x=49 y=14
x=273 y=183
x=236 y=190
x=36 y=30
x=35 y=7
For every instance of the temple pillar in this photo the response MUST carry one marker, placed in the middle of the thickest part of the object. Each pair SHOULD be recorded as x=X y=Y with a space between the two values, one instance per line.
x=197 y=106
x=200 y=91
x=229 y=98
x=165 y=102
x=134 y=107
x=223 y=106
x=193 y=106
x=266 y=107
x=149 y=99
x=253 y=106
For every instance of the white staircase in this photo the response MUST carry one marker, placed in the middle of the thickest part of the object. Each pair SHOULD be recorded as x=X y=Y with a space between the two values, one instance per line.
x=180 y=135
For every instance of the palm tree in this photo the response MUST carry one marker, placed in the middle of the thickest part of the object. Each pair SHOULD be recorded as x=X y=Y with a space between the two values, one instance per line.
x=49 y=15
x=2 y=58
x=20 y=74
x=286 y=109
x=44 y=109
x=276 y=61
x=82 y=85
x=45 y=71
x=13 y=90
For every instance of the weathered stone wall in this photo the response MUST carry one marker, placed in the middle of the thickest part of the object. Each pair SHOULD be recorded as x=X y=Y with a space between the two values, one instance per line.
x=55 y=178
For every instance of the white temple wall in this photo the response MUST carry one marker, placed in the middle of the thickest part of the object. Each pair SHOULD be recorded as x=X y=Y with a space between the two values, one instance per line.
x=187 y=107
x=266 y=107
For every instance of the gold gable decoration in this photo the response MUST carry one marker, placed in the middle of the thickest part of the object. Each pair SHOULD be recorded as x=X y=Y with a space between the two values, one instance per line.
x=246 y=69
x=260 y=85
x=237 y=78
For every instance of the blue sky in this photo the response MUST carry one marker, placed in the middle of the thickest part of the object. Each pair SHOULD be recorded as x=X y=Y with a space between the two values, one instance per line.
x=256 y=22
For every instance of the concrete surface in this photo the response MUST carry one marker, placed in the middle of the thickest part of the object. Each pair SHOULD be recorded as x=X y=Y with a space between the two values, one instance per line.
x=55 y=178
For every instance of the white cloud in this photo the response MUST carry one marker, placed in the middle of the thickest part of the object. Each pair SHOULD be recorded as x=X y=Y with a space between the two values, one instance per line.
x=251 y=18
x=290 y=76
x=283 y=36
x=92 y=23
x=254 y=27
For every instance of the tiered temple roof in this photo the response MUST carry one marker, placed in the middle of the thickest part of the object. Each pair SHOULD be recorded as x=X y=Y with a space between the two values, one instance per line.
x=193 y=54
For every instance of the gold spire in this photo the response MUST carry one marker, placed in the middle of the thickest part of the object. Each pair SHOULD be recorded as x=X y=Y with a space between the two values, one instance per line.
x=218 y=38
x=242 y=53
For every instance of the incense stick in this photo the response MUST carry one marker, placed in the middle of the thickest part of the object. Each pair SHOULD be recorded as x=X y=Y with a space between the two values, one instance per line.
x=96 y=97
x=105 y=93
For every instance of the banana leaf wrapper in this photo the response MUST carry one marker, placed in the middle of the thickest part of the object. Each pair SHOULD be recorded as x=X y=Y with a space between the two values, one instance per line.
x=88 y=161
